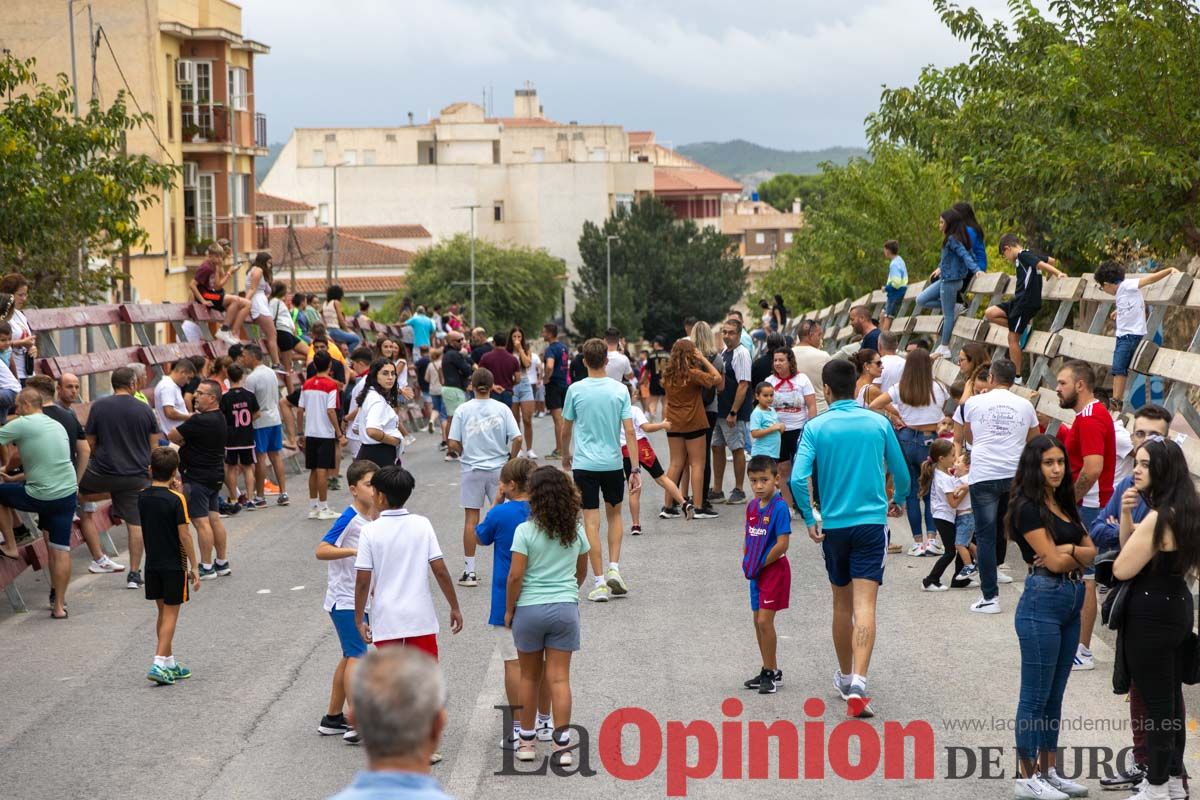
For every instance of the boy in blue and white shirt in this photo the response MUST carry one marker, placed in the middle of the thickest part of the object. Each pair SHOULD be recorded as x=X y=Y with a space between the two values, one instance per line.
x=897 y=281
x=339 y=547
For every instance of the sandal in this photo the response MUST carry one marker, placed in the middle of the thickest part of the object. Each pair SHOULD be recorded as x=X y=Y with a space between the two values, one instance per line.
x=64 y=616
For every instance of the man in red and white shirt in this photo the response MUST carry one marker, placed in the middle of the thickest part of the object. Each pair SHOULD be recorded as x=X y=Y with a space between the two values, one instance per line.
x=1091 y=445
x=321 y=434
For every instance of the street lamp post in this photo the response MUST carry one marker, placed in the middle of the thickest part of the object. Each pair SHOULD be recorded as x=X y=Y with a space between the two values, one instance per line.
x=472 y=208
x=608 y=240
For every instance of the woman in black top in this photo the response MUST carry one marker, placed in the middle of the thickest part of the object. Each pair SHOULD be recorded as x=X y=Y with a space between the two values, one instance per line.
x=1157 y=555
x=1044 y=521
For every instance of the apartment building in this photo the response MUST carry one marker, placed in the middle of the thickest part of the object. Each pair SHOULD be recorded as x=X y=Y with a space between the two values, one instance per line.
x=761 y=232
x=187 y=63
x=525 y=179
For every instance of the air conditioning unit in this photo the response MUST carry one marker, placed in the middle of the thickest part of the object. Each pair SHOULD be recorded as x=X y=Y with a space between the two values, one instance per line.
x=185 y=72
x=189 y=174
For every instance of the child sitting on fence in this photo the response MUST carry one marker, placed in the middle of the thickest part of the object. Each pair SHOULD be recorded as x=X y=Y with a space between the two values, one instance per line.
x=1017 y=314
x=1130 y=316
x=896 y=285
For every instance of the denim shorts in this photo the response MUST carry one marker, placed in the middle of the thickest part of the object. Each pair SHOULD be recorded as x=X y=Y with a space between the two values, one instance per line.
x=1123 y=352
x=894 y=298
x=522 y=392
x=964 y=529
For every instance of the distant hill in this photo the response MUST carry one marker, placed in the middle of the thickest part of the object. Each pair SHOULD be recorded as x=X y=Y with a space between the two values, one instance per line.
x=752 y=163
x=263 y=165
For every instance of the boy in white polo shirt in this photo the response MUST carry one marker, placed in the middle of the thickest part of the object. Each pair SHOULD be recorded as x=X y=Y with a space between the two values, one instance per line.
x=394 y=553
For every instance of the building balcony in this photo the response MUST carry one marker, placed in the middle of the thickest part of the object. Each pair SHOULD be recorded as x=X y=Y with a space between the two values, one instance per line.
x=218 y=128
x=200 y=232
x=205 y=124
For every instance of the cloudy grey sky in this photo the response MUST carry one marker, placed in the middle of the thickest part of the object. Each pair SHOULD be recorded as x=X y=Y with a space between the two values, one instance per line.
x=796 y=74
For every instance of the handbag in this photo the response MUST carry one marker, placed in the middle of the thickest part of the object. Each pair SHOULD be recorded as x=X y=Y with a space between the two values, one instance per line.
x=1112 y=614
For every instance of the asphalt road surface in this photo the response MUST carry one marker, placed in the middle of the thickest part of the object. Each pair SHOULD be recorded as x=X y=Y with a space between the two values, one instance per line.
x=81 y=720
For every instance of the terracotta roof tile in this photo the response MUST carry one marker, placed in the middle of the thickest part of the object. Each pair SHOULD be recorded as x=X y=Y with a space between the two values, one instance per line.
x=353 y=251
x=269 y=202
x=353 y=284
x=385 y=231
x=692 y=180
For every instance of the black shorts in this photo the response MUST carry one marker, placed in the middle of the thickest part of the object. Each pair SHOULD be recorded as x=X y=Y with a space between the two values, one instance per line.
x=787 y=444
x=610 y=484
x=285 y=340
x=1019 y=315
x=202 y=499
x=239 y=456
x=170 y=586
x=556 y=396
x=685 y=435
x=655 y=470
x=214 y=300
x=320 y=453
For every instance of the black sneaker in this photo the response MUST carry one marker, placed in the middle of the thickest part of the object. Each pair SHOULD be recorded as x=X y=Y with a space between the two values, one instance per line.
x=333 y=726
x=468 y=579
x=736 y=497
x=670 y=512
x=766 y=683
x=1125 y=779
x=753 y=683
x=134 y=580
x=716 y=497
x=351 y=737
x=707 y=512
x=441 y=445
x=635 y=530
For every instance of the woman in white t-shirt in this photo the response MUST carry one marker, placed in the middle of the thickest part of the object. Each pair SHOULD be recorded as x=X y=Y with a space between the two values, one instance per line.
x=24 y=343
x=377 y=425
x=795 y=403
x=291 y=347
x=920 y=402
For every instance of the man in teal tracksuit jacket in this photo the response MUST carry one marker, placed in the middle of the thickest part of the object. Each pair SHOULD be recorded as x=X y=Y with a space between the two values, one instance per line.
x=849 y=446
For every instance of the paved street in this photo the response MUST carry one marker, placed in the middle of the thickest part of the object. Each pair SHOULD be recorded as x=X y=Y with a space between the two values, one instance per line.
x=81 y=721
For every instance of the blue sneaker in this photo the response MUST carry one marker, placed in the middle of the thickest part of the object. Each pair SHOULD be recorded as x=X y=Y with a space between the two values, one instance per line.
x=161 y=675
x=207 y=573
x=179 y=672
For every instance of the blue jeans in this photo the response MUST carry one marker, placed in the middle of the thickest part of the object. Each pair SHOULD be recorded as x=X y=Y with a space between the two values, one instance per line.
x=1047 y=624
x=344 y=337
x=989 y=502
x=943 y=294
x=915 y=446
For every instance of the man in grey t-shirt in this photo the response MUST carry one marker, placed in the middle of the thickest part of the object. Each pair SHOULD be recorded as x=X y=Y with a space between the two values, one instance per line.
x=485 y=436
x=268 y=430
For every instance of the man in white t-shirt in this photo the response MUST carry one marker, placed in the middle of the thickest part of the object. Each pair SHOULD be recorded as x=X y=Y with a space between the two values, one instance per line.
x=485 y=436
x=893 y=364
x=168 y=395
x=617 y=367
x=810 y=358
x=998 y=425
x=396 y=553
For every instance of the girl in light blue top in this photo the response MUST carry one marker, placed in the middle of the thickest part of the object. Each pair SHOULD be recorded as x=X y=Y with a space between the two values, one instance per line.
x=549 y=563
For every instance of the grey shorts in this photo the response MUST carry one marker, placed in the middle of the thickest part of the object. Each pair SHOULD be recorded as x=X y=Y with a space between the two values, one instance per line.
x=733 y=436
x=553 y=625
x=478 y=486
x=124 y=490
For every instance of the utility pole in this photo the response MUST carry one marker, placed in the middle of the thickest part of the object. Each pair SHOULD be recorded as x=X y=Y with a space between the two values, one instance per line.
x=472 y=210
x=334 y=245
x=608 y=240
x=71 y=36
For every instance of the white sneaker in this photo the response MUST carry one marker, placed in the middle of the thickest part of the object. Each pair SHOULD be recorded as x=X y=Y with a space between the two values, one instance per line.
x=1003 y=577
x=544 y=730
x=1084 y=660
x=328 y=513
x=600 y=594
x=842 y=684
x=1036 y=788
x=313 y=513
x=105 y=564
x=1161 y=792
x=984 y=606
x=1069 y=788
x=936 y=587
x=941 y=351
x=935 y=548
x=917 y=550
x=226 y=336
x=616 y=582
x=530 y=454
x=410 y=440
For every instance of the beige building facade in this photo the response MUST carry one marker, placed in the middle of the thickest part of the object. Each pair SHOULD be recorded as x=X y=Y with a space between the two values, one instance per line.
x=533 y=181
x=187 y=64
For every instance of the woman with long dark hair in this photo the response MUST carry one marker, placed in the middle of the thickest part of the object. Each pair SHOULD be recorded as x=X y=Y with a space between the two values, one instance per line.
x=1044 y=521
x=24 y=343
x=955 y=267
x=258 y=289
x=919 y=400
x=974 y=233
x=549 y=563
x=1158 y=555
x=779 y=314
x=524 y=402
x=377 y=424
x=870 y=367
x=685 y=377
x=796 y=403
x=335 y=318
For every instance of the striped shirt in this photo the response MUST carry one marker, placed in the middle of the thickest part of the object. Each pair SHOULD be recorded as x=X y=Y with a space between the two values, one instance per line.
x=319 y=395
x=764 y=525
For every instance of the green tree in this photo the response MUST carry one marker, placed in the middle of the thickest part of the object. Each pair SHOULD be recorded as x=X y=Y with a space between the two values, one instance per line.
x=514 y=285
x=663 y=270
x=66 y=185
x=781 y=190
x=1081 y=125
x=895 y=195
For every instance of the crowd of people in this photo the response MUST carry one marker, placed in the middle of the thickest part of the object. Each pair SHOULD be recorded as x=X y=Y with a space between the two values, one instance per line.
x=841 y=443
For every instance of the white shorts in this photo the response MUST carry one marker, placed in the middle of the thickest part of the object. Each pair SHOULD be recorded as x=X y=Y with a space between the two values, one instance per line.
x=478 y=486
x=508 y=648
